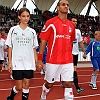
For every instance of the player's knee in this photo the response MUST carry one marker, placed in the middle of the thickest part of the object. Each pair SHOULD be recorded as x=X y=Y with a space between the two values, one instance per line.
x=96 y=71
x=67 y=84
x=18 y=88
x=48 y=85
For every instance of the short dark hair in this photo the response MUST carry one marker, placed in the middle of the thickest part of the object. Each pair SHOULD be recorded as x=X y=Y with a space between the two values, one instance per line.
x=59 y=2
x=2 y=29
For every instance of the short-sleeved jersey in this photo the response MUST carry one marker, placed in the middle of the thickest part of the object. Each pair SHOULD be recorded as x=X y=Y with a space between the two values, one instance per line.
x=22 y=43
x=4 y=37
x=78 y=39
x=2 y=46
x=60 y=35
x=94 y=49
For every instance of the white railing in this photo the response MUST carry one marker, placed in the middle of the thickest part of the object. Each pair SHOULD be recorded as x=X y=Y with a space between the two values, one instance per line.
x=80 y=57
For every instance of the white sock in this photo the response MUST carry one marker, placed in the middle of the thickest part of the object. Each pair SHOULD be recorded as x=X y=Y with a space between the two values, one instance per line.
x=44 y=92
x=68 y=93
x=25 y=90
x=14 y=89
x=93 y=78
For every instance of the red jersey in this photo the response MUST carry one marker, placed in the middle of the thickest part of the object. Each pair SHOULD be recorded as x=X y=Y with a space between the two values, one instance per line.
x=59 y=35
x=4 y=37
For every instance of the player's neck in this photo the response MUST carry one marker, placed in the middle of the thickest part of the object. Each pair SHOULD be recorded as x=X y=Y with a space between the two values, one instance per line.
x=63 y=17
x=23 y=26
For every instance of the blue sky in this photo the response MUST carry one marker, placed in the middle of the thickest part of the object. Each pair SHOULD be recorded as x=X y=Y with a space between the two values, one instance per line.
x=31 y=7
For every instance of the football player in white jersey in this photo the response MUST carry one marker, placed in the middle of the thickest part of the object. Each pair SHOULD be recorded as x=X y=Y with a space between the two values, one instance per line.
x=21 y=42
x=75 y=52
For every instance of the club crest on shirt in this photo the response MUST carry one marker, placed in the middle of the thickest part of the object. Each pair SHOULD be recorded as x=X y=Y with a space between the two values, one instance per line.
x=98 y=48
x=70 y=29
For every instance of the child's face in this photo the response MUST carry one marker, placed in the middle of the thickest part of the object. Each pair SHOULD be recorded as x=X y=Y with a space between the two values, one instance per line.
x=24 y=18
x=97 y=37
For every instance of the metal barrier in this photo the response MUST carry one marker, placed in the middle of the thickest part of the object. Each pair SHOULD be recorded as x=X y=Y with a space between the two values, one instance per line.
x=80 y=57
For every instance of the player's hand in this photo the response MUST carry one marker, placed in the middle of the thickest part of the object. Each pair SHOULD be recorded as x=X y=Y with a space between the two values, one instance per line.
x=39 y=65
x=84 y=55
x=10 y=68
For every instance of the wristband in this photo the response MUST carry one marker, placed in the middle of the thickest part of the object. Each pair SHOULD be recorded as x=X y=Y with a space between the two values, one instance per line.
x=40 y=56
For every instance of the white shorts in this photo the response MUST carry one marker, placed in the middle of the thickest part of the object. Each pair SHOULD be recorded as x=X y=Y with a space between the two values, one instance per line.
x=54 y=71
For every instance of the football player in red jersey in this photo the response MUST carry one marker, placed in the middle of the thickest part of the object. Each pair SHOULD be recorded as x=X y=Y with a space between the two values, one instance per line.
x=59 y=32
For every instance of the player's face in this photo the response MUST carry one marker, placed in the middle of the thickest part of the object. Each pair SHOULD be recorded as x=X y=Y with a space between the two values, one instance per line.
x=24 y=17
x=63 y=6
x=3 y=33
x=97 y=37
x=74 y=21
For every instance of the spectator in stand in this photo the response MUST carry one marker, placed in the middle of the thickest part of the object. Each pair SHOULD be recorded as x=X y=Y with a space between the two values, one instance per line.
x=75 y=52
x=59 y=32
x=3 y=36
x=2 y=47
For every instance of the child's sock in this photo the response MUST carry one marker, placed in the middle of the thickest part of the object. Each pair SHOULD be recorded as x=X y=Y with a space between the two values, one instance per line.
x=13 y=92
x=93 y=78
x=25 y=93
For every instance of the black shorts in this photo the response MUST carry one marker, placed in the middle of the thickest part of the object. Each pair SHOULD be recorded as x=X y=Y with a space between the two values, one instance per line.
x=1 y=61
x=21 y=74
x=75 y=60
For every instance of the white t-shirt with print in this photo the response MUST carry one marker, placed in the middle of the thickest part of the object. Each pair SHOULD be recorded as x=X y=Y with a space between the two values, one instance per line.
x=75 y=49
x=22 y=43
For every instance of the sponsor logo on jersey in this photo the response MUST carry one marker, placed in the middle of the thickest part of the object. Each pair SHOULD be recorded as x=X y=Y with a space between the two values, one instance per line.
x=98 y=48
x=63 y=36
x=64 y=25
x=15 y=33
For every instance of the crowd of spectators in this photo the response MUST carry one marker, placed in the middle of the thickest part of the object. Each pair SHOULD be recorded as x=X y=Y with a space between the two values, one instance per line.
x=87 y=24
x=8 y=18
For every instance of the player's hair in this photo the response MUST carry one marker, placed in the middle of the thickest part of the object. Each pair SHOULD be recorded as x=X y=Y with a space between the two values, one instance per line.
x=2 y=29
x=97 y=32
x=59 y=2
x=22 y=10
x=74 y=18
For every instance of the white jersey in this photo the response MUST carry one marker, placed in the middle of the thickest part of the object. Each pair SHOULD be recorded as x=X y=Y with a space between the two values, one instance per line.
x=2 y=46
x=75 y=49
x=22 y=43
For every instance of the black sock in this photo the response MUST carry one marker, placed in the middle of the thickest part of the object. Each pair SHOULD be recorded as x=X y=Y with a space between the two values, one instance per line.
x=12 y=94
x=76 y=80
x=25 y=96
